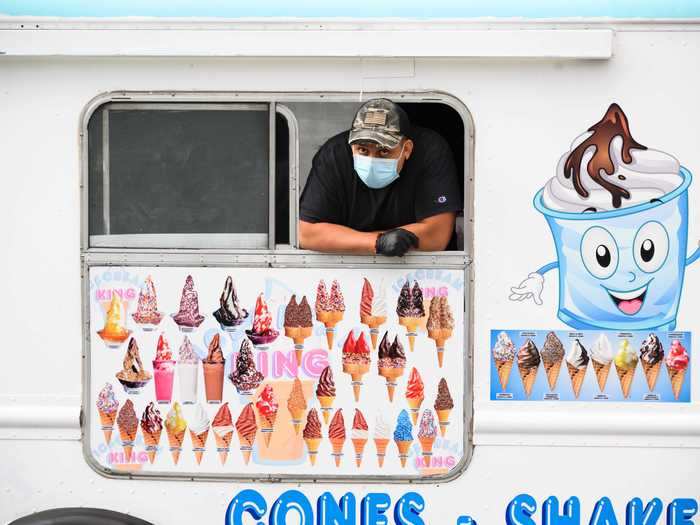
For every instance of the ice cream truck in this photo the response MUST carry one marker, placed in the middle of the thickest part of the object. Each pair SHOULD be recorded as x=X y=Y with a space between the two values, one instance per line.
x=197 y=365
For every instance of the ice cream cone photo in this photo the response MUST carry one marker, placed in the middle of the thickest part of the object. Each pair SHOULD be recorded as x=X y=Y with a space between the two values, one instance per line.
x=552 y=369
x=411 y=324
x=128 y=424
x=107 y=422
x=267 y=425
x=440 y=324
x=577 y=375
x=326 y=407
x=175 y=426
x=151 y=439
x=356 y=360
x=330 y=308
x=381 y=444
x=337 y=444
x=601 y=373
x=626 y=361
x=175 y=442
x=298 y=324
x=199 y=444
x=677 y=362
x=223 y=445
x=312 y=445
x=404 y=447
x=246 y=447
x=373 y=322
x=443 y=420
x=503 y=367
x=337 y=436
x=651 y=373
x=414 y=406
x=247 y=429
x=373 y=312
x=359 y=446
x=199 y=431
x=391 y=375
x=426 y=444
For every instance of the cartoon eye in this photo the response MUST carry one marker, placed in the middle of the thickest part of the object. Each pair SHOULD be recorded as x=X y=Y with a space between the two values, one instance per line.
x=599 y=252
x=651 y=247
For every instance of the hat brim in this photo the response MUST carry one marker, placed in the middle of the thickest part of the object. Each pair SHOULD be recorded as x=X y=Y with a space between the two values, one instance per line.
x=384 y=139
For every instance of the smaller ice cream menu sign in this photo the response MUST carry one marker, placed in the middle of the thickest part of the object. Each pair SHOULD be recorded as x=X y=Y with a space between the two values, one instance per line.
x=540 y=365
x=253 y=372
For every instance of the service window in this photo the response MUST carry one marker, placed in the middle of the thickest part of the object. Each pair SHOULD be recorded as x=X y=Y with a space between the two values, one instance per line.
x=215 y=349
x=180 y=176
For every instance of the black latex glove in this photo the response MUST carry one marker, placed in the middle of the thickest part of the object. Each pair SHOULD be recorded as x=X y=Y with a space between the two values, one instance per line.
x=395 y=242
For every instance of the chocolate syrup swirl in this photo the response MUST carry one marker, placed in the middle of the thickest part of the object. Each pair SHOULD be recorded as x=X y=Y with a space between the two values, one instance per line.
x=613 y=123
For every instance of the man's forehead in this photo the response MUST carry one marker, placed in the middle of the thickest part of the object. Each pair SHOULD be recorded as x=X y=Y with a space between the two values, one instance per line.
x=371 y=144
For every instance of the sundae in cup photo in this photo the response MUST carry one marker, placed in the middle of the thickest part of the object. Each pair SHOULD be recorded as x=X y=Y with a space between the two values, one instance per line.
x=618 y=214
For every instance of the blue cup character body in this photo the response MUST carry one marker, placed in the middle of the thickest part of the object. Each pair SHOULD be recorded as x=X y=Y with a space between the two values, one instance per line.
x=622 y=269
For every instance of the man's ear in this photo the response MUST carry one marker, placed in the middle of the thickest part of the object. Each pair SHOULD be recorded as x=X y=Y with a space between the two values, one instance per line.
x=408 y=148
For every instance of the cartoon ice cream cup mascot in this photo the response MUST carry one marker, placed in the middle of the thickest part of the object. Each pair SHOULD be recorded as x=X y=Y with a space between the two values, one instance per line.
x=618 y=212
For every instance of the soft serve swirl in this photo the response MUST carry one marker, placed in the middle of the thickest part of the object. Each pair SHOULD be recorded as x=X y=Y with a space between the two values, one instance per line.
x=606 y=169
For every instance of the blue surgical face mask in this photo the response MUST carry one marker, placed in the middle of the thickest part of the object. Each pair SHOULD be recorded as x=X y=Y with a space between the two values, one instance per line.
x=376 y=173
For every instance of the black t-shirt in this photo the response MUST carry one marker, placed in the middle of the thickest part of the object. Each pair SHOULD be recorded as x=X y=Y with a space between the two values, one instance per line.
x=427 y=185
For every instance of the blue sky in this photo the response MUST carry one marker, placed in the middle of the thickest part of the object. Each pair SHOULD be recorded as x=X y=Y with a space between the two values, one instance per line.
x=356 y=9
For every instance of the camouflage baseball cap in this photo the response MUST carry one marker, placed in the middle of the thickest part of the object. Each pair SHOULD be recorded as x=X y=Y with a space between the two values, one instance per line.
x=379 y=120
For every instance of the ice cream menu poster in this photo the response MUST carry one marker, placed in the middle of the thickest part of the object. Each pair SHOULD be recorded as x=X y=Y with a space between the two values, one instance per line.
x=255 y=372
x=594 y=365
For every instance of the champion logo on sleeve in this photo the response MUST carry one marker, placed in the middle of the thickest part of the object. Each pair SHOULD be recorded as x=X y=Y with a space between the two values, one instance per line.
x=442 y=199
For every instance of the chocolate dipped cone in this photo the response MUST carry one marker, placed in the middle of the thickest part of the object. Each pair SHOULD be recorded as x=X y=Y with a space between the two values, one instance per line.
x=411 y=324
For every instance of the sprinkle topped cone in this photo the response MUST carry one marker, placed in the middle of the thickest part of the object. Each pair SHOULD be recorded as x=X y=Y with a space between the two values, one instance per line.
x=392 y=363
x=410 y=310
x=329 y=308
x=440 y=324
x=427 y=433
x=373 y=309
x=107 y=406
x=128 y=425
x=503 y=354
x=312 y=435
x=188 y=317
x=403 y=436
x=356 y=360
x=246 y=428
x=298 y=324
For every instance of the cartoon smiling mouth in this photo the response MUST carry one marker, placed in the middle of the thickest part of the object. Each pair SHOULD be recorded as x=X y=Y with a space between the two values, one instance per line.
x=631 y=302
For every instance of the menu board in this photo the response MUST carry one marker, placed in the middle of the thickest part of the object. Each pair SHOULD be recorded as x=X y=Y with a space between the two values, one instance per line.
x=268 y=372
x=590 y=365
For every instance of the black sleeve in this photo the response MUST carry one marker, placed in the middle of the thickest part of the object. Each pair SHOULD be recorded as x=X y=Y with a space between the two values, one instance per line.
x=438 y=189
x=320 y=201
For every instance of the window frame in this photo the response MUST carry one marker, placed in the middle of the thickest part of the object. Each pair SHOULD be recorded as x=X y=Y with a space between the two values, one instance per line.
x=287 y=256
x=276 y=105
